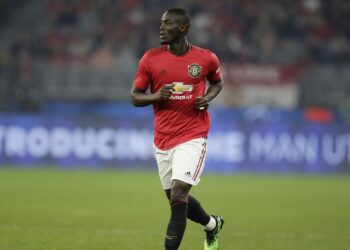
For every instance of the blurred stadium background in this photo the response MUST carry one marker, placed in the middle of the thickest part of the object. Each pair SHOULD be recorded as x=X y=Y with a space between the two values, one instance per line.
x=66 y=68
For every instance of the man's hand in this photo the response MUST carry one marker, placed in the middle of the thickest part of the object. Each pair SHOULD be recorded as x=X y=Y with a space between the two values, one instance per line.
x=201 y=102
x=165 y=91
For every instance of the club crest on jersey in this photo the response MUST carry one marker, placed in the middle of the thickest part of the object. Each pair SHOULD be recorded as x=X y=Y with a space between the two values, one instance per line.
x=180 y=88
x=194 y=70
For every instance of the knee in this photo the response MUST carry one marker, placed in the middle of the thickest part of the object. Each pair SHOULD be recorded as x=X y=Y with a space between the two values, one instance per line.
x=179 y=192
x=178 y=196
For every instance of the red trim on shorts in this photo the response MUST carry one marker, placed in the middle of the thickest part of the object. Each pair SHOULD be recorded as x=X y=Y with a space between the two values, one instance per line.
x=200 y=162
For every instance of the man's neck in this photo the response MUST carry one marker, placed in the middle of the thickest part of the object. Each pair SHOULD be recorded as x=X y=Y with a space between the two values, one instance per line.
x=179 y=48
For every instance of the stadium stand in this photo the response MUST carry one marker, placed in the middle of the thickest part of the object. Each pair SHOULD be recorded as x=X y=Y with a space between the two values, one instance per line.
x=53 y=49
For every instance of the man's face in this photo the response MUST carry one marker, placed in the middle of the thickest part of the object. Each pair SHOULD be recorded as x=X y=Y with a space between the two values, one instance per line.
x=171 y=29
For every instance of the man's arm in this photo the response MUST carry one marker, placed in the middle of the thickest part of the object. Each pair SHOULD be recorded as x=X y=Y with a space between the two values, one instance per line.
x=202 y=102
x=139 y=97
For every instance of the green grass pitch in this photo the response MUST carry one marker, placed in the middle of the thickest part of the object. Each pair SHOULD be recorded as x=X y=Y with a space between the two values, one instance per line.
x=51 y=209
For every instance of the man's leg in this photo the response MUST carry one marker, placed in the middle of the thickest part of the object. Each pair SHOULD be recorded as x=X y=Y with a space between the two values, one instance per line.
x=187 y=163
x=212 y=224
x=179 y=206
x=196 y=212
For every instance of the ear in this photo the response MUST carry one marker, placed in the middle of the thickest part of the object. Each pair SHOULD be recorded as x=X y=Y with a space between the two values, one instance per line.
x=184 y=28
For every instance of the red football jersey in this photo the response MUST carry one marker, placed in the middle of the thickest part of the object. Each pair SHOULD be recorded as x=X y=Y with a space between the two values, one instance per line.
x=176 y=120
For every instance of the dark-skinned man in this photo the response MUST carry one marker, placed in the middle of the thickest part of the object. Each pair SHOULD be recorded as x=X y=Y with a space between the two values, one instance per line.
x=182 y=80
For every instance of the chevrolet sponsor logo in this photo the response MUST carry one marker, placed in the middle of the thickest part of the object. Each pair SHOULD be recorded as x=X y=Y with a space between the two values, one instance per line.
x=180 y=88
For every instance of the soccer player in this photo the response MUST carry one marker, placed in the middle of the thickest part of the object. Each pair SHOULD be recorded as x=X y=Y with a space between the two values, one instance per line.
x=177 y=74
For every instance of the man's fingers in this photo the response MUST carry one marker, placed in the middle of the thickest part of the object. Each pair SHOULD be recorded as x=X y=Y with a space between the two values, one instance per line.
x=169 y=86
x=199 y=100
x=165 y=91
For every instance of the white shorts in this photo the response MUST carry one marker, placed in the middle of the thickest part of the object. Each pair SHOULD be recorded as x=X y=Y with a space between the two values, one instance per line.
x=184 y=162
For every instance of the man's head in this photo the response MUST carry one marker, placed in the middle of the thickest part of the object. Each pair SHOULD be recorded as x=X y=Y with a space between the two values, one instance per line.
x=174 y=25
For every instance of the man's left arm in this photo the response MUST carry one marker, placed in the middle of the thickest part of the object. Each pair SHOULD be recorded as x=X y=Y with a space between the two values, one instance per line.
x=214 y=79
x=202 y=102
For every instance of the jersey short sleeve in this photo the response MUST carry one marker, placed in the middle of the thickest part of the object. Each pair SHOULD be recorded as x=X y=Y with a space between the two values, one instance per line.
x=143 y=76
x=214 y=73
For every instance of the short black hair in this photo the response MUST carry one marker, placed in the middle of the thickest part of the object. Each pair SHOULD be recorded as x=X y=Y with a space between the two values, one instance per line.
x=185 y=18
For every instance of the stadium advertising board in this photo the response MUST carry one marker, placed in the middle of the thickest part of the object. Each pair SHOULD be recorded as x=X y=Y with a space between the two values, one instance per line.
x=267 y=84
x=233 y=146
